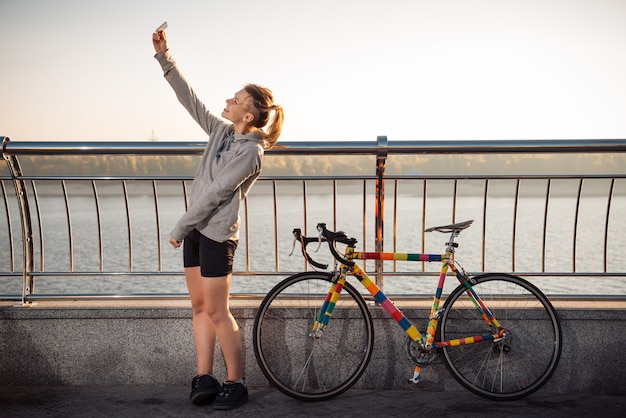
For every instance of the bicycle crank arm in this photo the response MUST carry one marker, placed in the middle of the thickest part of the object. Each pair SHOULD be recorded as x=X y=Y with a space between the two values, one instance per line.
x=416 y=375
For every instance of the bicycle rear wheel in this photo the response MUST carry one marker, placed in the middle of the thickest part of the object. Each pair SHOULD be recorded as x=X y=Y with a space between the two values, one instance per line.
x=302 y=366
x=524 y=359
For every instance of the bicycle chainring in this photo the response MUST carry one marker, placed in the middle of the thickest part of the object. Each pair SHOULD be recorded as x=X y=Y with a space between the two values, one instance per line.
x=418 y=354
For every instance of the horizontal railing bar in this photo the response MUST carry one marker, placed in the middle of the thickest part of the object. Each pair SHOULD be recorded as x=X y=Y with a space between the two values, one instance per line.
x=290 y=273
x=104 y=178
x=258 y=296
x=101 y=296
x=516 y=273
x=564 y=274
x=150 y=273
x=501 y=176
x=329 y=147
x=120 y=296
x=343 y=177
x=103 y=147
x=507 y=146
x=105 y=273
x=189 y=177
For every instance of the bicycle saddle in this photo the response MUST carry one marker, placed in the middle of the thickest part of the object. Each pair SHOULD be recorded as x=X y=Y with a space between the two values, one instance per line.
x=451 y=228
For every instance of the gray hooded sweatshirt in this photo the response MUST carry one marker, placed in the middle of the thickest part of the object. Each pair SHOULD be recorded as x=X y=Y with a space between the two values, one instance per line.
x=230 y=165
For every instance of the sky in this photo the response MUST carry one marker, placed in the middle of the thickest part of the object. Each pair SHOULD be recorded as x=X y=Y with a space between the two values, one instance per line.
x=83 y=70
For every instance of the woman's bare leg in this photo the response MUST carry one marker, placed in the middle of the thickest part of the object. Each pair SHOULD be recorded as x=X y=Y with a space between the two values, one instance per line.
x=211 y=318
x=203 y=328
x=217 y=291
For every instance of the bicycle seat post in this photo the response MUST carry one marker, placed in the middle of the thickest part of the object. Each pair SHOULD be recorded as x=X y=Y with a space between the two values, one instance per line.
x=451 y=245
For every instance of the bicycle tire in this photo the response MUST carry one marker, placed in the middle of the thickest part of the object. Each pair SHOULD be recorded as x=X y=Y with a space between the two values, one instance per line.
x=299 y=365
x=520 y=363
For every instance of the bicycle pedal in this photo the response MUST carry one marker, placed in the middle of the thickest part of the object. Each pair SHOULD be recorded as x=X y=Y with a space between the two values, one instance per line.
x=416 y=376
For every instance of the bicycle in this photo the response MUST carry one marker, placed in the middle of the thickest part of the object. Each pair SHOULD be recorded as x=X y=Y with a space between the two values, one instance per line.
x=313 y=334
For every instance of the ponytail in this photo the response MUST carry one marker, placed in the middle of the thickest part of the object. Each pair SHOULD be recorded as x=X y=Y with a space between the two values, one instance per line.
x=263 y=106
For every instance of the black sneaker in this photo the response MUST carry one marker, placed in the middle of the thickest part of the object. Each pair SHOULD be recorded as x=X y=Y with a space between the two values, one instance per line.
x=232 y=396
x=204 y=388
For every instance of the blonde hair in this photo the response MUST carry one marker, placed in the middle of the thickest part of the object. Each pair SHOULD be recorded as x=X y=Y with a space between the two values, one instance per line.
x=262 y=107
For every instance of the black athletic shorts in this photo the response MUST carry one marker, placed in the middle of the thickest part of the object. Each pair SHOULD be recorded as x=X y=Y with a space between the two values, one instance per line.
x=214 y=258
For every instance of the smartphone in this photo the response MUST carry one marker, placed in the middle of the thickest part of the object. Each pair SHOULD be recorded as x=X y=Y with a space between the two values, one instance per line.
x=160 y=28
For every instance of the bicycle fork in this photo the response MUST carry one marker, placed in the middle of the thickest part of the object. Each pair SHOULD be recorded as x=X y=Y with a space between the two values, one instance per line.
x=326 y=312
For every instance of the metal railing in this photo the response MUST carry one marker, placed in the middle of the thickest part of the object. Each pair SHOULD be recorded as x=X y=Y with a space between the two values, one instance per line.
x=40 y=206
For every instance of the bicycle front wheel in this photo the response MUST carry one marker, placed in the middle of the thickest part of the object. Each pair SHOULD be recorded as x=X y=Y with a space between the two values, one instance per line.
x=303 y=366
x=516 y=365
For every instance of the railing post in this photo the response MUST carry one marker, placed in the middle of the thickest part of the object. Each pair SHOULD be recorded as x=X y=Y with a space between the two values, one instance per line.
x=379 y=215
x=27 y=230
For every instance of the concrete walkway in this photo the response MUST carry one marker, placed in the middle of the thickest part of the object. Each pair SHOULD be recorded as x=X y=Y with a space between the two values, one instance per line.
x=155 y=402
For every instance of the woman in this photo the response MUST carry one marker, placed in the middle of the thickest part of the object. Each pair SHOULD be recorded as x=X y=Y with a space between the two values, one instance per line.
x=209 y=229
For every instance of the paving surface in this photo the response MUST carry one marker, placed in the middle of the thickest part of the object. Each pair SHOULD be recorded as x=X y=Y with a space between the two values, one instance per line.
x=173 y=401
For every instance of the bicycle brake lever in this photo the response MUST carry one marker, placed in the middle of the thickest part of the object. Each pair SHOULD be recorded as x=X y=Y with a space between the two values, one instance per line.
x=319 y=239
x=297 y=233
x=293 y=246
